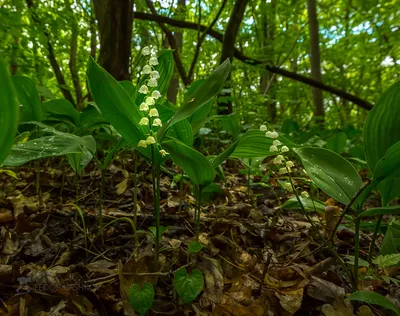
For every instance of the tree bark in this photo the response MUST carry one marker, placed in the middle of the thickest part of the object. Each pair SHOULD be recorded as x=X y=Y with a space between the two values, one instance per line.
x=115 y=18
x=315 y=58
x=228 y=51
x=252 y=61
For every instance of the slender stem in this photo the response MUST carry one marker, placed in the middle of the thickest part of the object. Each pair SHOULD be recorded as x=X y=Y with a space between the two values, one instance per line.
x=376 y=231
x=156 y=190
x=356 y=249
x=100 y=215
x=76 y=197
x=199 y=190
x=135 y=192
x=347 y=208
x=180 y=193
x=248 y=179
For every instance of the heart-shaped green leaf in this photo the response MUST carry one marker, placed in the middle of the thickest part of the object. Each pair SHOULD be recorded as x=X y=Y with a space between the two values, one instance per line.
x=8 y=112
x=195 y=247
x=188 y=286
x=332 y=173
x=141 y=298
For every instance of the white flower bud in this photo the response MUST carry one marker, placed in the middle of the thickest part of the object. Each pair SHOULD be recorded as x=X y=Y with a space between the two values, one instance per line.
x=153 y=61
x=150 y=101
x=157 y=122
x=304 y=194
x=150 y=140
x=143 y=107
x=273 y=148
x=263 y=128
x=153 y=112
x=146 y=51
x=289 y=164
x=276 y=142
x=146 y=70
x=274 y=135
x=144 y=121
x=268 y=134
x=143 y=89
x=284 y=149
x=283 y=170
x=288 y=186
x=163 y=152
x=156 y=94
x=142 y=143
x=152 y=82
x=154 y=74
x=279 y=159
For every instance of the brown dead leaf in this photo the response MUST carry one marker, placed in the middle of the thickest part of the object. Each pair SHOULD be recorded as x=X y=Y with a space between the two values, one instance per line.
x=290 y=300
x=325 y=291
x=124 y=286
x=5 y=215
x=101 y=266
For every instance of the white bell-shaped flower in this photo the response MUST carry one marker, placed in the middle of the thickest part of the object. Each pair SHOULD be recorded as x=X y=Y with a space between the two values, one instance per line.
x=153 y=61
x=284 y=149
x=153 y=112
x=156 y=94
x=268 y=134
x=150 y=101
x=288 y=186
x=289 y=164
x=152 y=82
x=279 y=160
x=143 y=107
x=157 y=122
x=146 y=51
x=150 y=140
x=144 y=121
x=263 y=128
x=142 y=143
x=154 y=74
x=144 y=89
x=304 y=194
x=274 y=135
x=146 y=70
x=163 y=153
x=273 y=148
x=276 y=142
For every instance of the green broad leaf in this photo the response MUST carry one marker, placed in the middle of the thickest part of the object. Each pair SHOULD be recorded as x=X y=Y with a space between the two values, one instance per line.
x=391 y=241
x=204 y=93
x=61 y=108
x=129 y=87
x=337 y=143
x=389 y=210
x=361 y=262
x=373 y=298
x=194 y=164
x=204 y=110
x=45 y=92
x=195 y=247
x=58 y=144
x=141 y=298
x=224 y=155
x=308 y=204
x=198 y=125
x=165 y=68
x=10 y=173
x=388 y=260
x=388 y=167
x=79 y=161
x=188 y=286
x=332 y=173
x=8 y=112
x=117 y=106
x=231 y=124
x=28 y=97
x=381 y=132
x=255 y=144
x=153 y=229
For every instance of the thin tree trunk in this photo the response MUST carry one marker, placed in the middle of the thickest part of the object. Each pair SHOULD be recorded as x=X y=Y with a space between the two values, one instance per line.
x=115 y=19
x=319 y=111
x=228 y=51
x=174 y=84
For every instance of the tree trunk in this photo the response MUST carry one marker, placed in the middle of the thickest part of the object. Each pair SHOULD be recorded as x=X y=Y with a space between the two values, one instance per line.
x=319 y=111
x=115 y=19
x=174 y=84
x=228 y=50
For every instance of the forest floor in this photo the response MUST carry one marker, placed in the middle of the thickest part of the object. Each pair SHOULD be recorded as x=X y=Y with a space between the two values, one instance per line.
x=258 y=259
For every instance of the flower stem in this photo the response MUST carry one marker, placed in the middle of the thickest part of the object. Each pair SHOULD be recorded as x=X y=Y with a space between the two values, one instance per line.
x=199 y=190
x=376 y=231
x=156 y=190
x=356 y=249
x=100 y=211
